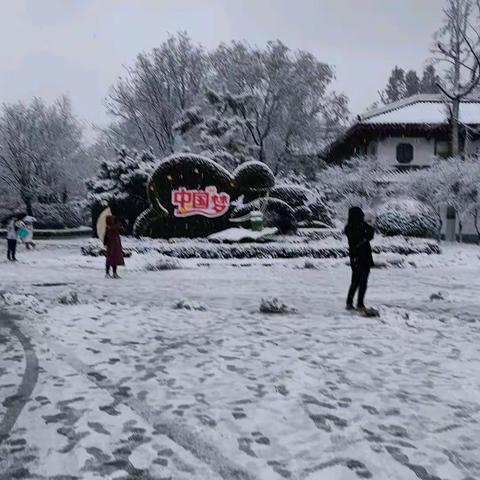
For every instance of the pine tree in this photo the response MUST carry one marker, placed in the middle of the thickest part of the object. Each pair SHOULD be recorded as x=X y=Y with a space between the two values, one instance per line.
x=401 y=85
x=121 y=184
x=412 y=83
x=429 y=80
x=396 y=88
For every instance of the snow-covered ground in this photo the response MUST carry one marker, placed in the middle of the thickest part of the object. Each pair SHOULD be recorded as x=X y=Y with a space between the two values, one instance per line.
x=175 y=373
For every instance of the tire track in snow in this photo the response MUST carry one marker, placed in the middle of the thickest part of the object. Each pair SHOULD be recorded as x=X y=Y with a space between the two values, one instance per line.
x=29 y=379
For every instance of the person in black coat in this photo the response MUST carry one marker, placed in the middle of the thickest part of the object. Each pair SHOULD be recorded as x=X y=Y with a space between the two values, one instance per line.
x=359 y=234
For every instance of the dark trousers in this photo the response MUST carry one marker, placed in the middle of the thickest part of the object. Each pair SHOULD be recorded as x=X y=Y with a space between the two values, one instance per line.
x=12 y=247
x=107 y=269
x=359 y=282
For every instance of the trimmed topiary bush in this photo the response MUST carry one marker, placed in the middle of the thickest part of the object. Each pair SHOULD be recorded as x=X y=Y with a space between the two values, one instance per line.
x=183 y=172
x=253 y=180
x=193 y=196
x=303 y=214
x=294 y=195
x=307 y=204
x=407 y=217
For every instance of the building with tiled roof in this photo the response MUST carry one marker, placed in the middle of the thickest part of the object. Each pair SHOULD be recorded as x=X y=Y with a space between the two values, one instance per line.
x=409 y=133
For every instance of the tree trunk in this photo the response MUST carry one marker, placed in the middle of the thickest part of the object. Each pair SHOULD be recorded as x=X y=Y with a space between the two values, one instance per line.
x=475 y=216
x=455 y=127
x=28 y=205
x=440 y=225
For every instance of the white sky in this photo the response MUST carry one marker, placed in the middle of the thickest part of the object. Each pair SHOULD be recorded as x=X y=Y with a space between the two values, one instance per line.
x=78 y=47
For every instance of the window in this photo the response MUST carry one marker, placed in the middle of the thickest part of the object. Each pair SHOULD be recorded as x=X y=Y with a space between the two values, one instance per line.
x=442 y=148
x=372 y=149
x=404 y=153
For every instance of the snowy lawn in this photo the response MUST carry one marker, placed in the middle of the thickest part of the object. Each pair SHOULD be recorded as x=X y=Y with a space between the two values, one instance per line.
x=176 y=374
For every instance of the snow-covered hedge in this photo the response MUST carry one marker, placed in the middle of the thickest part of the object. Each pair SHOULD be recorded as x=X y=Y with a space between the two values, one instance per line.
x=307 y=234
x=407 y=217
x=285 y=249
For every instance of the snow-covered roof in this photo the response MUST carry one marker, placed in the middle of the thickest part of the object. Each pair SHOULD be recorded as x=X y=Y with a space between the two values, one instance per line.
x=428 y=109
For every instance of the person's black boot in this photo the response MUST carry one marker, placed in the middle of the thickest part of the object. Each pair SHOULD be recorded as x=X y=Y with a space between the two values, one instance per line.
x=361 y=308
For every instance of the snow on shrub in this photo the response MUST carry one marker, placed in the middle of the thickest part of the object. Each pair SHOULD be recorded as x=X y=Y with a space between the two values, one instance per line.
x=163 y=263
x=274 y=305
x=388 y=260
x=120 y=183
x=294 y=195
x=407 y=217
x=308 y=204
x=203 y=249
x=23 y=301
x=69 y=298
x=189 y=305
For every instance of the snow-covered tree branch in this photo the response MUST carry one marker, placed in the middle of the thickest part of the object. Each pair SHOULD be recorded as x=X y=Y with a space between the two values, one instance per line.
x=40 y=147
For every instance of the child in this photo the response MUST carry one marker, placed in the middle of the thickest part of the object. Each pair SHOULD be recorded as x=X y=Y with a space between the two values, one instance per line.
x=28 y=240
x=359 y=234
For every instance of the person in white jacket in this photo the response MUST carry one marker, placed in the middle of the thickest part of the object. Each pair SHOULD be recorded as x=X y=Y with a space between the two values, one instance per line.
x=12 y=239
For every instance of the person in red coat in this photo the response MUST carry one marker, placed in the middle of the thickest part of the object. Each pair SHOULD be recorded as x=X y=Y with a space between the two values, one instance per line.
x=114 y=246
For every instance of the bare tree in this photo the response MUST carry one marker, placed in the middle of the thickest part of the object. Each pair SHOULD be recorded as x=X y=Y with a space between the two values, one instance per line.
x=39 y=147
x=290 y=109
x=149 y=99
x=457 y=43
x=291 y=95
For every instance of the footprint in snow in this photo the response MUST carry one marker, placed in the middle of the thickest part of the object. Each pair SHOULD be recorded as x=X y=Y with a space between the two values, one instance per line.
x=238 y=413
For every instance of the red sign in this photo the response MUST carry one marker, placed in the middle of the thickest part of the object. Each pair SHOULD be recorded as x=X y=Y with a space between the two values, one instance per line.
x=206 y=202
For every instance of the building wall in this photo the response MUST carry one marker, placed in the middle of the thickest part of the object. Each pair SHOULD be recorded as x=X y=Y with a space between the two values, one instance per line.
x=423 y=150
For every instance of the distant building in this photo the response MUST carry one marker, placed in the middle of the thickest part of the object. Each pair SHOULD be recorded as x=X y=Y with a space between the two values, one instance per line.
x=410 y=134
